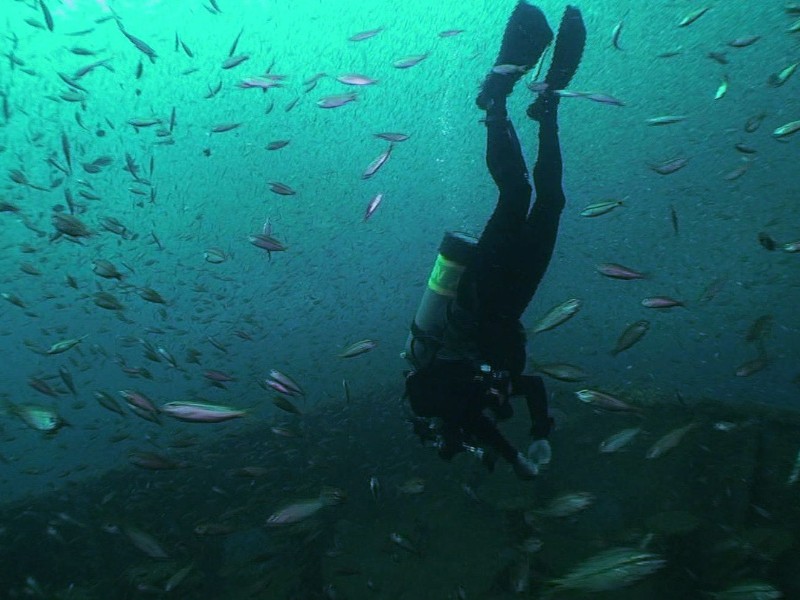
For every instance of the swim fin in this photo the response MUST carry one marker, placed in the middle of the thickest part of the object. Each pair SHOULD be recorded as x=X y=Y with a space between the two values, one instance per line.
x=526 y=36
x=567 y=55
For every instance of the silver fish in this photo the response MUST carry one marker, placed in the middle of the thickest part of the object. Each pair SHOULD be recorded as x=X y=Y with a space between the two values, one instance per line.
x=669 y=441
x=611 y=570
x=751 y=590
x=564 y=505
x=604 y=401
x=558 y=315
x=357 y=348
x=619 y=440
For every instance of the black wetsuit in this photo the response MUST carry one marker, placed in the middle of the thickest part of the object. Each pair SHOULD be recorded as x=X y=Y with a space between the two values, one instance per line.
x=510 y=261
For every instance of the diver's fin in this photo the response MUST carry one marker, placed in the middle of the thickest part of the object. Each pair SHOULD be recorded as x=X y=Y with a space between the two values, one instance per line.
x=567 y=55
x=527 y=35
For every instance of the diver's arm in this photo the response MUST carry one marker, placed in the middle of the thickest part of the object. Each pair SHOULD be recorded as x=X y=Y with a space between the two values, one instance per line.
x=533 y=389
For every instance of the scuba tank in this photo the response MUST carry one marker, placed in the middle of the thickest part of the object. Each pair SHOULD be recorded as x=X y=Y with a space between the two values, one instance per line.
x=428 y=329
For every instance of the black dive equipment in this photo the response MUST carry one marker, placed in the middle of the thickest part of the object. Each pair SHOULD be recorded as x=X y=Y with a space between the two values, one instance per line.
x=426 y=339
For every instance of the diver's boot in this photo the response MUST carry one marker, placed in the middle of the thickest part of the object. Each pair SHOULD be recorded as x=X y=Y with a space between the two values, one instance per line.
x=525 y=39
x=566 y=56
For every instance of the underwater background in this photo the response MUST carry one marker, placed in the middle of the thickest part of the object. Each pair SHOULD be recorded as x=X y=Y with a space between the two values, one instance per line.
x=180 y=134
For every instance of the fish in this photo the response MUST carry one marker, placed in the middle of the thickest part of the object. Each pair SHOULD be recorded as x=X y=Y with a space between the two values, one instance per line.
x=150 y=295
x=781 y=77
x=299 y=511
x=670 y=166
x=760 y=329
x=373 y=206
x=561 y=371
x=174 y=581
x=791 y=247
x=409 y=61
x=750 y=590
x=593 y=96
x=610 y=570
x=661 y=302
x=108 y=402
x=375 y=488
x=37 y=417
x=601 y=208
x=390 y=136
x=412 y=486
x=376 y=164
x=70 y=226
x=336 y=100
x=200 y=412
x=604 y=401
x=277 y=144
x=106 y=269
x=450 y=33
x=356 y=79
x=557 y=315
x=617 y=271
x=669 y=441
x=403 y=542
x=215 y=256
x=107 y=301
x=619 y=440
x=232 y=51
x=563 y=506
x=357 y=348
x=140 y=45
x=744 y=41
x=218 y=376
x=673 y=217
x=753 y=123
x=65 y=345
x=722 y=89
x=630 y=336
x=48 y=16
x=140 y=122
x=794 y=475
x=145 y=542
x=152 y=461
x=266 y=242
x=365 y=35
x=138 y=400
x=223 y=127
x=66 y=377
x=281 y=189
x=234 y=61
x=753 y=366
x=693 y=16
x=787 y=129
x=286 y=405
x=40 y=385
x=665 y=120
x=615 y=35
x=712 y=289
x=287 y=385
x=766 y=241
x=507 y=69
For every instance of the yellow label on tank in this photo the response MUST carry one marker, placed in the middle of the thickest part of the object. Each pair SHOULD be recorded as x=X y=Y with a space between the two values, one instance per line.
x=444 y=276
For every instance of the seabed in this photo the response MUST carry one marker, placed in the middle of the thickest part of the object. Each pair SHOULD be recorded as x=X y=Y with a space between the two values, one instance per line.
x=718 y=508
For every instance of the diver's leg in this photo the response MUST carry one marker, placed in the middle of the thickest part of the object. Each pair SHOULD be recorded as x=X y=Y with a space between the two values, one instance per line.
x=544 y=216
x=526 y=36
x=566 y=57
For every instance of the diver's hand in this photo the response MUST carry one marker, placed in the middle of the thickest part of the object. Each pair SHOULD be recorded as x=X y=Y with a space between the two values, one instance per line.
x=539 y=452
x=524 y=468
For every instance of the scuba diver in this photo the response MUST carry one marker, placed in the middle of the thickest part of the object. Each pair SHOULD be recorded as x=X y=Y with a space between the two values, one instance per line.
x=467 y=344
